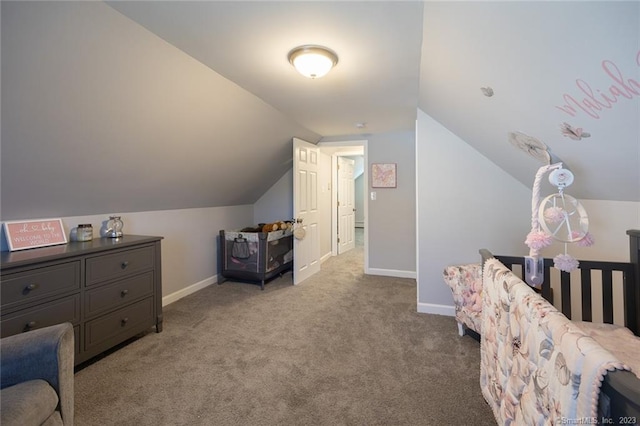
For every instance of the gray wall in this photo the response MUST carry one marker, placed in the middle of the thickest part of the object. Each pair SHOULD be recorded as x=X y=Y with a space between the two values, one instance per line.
x=392 y=241
x=392 y=220
x=99 y=115
x=189 y=245
x=277 y=203
x=465 y=202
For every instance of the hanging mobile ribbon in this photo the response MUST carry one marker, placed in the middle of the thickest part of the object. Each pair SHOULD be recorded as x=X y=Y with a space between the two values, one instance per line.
x=558 y=217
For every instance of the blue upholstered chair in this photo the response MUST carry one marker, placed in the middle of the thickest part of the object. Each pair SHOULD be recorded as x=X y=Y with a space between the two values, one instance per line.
x=36 y=377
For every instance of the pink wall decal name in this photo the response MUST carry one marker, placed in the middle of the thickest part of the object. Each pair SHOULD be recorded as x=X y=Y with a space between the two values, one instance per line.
x=596 y=101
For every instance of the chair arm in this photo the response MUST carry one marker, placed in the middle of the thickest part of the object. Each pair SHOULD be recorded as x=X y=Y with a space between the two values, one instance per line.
x=46 y=353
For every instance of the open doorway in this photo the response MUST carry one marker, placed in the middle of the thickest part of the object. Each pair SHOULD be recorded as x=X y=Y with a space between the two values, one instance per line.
x=356 y=227
x=350 y=208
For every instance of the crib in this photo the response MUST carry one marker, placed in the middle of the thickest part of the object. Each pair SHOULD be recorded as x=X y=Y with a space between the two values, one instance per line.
x=619 y=397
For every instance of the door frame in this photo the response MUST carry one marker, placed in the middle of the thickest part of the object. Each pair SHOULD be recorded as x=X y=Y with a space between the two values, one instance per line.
x=340 y=188
x=347 y=148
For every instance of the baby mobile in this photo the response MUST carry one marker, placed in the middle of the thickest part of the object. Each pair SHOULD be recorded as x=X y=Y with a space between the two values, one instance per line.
x=558 y=217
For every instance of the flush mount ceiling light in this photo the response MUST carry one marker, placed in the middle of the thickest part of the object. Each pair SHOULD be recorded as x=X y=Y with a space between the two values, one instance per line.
x=313 y=61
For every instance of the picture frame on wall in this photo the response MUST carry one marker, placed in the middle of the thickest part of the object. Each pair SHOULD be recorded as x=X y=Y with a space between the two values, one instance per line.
x=22 y=235
x=383 y=175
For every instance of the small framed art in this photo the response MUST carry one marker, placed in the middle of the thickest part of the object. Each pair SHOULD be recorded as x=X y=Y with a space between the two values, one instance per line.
x=383 y=175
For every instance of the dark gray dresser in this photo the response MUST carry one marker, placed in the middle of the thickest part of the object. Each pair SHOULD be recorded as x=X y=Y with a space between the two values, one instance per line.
x=109 y=289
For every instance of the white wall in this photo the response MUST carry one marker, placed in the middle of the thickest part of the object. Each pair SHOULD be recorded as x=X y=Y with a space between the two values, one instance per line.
x=465 y=202
x=189 y=247
x=608 y=223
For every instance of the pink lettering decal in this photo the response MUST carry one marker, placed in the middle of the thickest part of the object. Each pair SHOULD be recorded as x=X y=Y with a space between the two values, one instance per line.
x=587 y=103
x=586 y=89
x=617 y=77
x=567 y=108
x=614 y=91
x=622 y=88
x=588 y=110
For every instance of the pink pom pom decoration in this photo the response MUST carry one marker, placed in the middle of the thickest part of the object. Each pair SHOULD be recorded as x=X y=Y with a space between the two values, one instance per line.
x=538 y=240
x=565 y=263
x=586 y=241
x=554 y=214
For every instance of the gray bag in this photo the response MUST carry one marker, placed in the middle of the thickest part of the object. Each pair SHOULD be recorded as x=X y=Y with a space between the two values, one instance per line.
x=240 y=248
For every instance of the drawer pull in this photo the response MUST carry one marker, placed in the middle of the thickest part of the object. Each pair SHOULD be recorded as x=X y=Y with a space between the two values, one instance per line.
x=123 y=293
x=124 y=321
x=30 y=326
x=31 y=287
x=124 y=264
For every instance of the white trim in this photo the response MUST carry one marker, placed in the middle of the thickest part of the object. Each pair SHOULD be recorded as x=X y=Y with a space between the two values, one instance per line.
x=326 y=257
x=174 y=297
x=391 y=273
x=432 y=308
x=345 y=148
x=334 y=204
x=417 y=196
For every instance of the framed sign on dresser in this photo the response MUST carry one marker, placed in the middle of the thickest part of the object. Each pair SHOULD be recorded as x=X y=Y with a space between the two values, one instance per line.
x=110 y=289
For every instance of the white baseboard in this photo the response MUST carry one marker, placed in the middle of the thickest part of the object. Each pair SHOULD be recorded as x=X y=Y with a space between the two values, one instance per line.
x=173 y=297
x=325 y=257
x=391 y=273
x=432 y=308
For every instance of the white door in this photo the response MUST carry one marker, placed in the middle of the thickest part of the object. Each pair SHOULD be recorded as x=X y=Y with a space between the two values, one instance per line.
x=346 y=205
x=306 y=250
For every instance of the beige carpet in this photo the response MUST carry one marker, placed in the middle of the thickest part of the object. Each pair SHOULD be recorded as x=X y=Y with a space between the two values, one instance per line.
x=340 y=349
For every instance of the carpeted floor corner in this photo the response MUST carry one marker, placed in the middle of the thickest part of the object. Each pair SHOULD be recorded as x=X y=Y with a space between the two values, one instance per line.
x=342 y=348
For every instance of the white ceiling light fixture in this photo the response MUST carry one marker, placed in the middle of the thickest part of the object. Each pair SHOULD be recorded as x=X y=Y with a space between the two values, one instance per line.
x=313 y=61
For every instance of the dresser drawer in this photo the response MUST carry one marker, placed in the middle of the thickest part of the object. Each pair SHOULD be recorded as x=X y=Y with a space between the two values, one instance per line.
x=39 y=283
x=136 y=317
x=55 y=312
x=110 y=296
x=119 y=265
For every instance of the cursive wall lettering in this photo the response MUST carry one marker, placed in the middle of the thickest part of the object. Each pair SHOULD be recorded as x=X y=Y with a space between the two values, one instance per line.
x=595 y=101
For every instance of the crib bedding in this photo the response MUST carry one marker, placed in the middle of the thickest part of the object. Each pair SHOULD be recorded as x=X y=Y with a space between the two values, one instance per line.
x=465 y=282
x=537 y=367
x=618 y=340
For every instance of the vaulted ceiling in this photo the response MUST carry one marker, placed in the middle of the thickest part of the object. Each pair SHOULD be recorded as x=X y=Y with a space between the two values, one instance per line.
x=548 y=63
x=178 y=104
